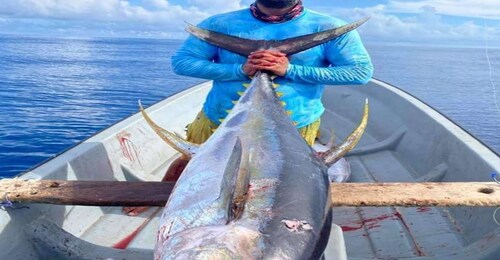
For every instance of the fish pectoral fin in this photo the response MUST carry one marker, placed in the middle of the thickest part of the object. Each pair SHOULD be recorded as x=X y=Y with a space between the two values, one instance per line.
x=335 y=153
x=172 y=139
x=288 y=46
x=235 y=184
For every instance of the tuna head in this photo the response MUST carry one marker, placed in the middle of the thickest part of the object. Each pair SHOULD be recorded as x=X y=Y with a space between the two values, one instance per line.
x=213 y=242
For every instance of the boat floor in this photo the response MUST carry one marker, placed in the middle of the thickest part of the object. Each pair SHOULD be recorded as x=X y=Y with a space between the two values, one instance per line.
x=392 y=232
x=114 y=227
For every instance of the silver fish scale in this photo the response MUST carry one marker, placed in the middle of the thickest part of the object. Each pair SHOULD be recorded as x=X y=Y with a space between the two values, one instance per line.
x=287 y=185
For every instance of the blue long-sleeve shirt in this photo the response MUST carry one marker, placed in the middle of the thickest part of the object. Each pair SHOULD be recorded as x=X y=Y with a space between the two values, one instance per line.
x=340 y=61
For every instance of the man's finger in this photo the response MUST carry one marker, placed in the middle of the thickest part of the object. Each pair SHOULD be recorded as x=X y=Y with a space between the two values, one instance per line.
x=269 y=58
x=267 y=53
x=264 y=55
x=263 y=60
x=265 y=66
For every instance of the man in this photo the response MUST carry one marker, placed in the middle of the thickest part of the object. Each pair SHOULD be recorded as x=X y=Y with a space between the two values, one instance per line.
x=300 y=77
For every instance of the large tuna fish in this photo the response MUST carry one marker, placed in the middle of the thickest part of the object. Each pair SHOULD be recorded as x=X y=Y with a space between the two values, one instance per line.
x=254 y=189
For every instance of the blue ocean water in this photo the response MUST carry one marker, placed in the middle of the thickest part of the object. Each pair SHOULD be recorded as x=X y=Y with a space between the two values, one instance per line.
x=55 y=93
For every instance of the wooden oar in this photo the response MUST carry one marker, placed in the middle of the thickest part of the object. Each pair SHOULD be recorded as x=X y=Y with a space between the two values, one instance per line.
x=115 y=193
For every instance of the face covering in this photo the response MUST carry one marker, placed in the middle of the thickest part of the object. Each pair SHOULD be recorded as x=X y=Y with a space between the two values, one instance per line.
x=294 y=12
x=277 y=4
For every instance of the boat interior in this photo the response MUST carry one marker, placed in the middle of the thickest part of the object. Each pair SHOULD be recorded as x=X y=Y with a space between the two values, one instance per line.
x=405 y=141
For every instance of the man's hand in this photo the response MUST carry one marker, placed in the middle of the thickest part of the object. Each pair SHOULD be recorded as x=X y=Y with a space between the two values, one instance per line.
x=249 y=69
x=268 y=60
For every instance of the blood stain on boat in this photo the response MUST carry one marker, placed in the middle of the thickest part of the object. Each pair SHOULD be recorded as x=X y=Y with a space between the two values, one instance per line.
x=369 y=223
x=129 y=151
x=423 y=209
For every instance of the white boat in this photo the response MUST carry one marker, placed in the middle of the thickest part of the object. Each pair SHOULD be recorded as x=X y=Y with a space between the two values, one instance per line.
x=406 y=141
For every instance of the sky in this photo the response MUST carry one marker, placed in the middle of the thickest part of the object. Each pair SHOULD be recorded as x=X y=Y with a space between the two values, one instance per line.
x=432 y=21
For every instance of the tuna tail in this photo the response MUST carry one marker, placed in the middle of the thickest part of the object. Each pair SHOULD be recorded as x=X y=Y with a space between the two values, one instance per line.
x=288 y=46
x=335 y=153
x=176 y=142
x=235 y=183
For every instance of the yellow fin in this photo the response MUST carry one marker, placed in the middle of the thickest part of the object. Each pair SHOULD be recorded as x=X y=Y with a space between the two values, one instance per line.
x=172 y=139
x=335 y=153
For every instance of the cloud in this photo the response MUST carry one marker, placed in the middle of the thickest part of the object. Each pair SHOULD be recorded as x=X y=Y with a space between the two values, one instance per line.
x=156 y=15
x=424 y=25
x=396 y=20
x=98 y=10
x=488 y=9
x=216 y=6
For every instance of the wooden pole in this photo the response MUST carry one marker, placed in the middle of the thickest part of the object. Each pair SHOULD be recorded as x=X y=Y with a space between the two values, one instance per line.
x=115 y=193
x=423 y=194
x=88 y=193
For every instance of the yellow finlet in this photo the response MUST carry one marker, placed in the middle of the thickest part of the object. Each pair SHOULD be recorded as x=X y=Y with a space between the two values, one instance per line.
x=240 y=93
x=221 y=120
x=234 y=102
x=246 y=85
x=289 y=112
x=283 y=103
x=228 y=111
x=275 y=85
x=279 y=94
x=295 y=123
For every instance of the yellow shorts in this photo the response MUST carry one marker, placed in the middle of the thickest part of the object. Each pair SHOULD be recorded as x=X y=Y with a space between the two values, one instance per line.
x=202 y=128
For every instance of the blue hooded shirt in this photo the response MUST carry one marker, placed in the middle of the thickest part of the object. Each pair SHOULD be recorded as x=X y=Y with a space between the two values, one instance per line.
x=343 y=60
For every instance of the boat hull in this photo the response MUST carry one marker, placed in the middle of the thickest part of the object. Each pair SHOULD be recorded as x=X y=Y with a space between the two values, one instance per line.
x=405 y=141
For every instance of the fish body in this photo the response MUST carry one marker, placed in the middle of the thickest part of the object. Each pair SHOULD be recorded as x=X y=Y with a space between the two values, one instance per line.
x=287 y=205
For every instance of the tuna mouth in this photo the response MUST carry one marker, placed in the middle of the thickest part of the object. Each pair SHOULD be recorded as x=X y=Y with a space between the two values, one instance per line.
x=212 y=242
